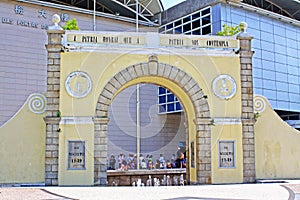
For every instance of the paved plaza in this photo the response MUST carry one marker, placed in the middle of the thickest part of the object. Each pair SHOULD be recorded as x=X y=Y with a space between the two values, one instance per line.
x=287 y=190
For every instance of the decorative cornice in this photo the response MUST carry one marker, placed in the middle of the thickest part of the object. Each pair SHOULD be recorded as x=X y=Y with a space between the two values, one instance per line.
x=218 y=121
x=76 y=120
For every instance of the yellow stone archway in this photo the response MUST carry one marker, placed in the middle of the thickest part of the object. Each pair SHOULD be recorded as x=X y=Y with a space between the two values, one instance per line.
x=184 y=87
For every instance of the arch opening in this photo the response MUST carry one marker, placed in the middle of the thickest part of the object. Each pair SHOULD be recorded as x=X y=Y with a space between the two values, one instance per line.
x=196 y=116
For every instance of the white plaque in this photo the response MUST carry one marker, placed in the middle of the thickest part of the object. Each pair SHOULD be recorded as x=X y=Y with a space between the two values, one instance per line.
x=76 y=155
x=226 y=154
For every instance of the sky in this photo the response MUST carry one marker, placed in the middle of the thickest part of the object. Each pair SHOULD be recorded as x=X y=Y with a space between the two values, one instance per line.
x=169 y=3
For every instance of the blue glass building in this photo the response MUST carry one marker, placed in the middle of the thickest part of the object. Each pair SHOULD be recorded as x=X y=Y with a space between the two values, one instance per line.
x=275 y=27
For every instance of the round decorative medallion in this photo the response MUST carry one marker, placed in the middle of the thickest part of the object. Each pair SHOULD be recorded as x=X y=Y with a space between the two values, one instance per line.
x=78 y=84
x=224 y=86
x=37 y=103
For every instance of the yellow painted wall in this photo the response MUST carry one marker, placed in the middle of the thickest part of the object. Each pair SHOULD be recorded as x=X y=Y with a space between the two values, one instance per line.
x=101 y=66
x=22 y=148
x=203 y=67
x=228 y=132
x=76 y=132
x=277 y=146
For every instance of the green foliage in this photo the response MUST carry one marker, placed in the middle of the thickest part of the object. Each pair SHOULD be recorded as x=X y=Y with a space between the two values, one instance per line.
x=71 y=25
x=212 y=122
x=256 y=116
x=58 y=114
x=229 y=30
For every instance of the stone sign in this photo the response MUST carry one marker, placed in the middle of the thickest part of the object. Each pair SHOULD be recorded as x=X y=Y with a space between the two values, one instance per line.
x=226 y=154
x=76 y=155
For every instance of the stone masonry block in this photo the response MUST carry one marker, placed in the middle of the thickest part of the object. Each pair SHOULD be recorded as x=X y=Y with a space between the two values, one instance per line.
x=173 y=73
x=246 y=84
x=145 y=68
x=115 y=83
x=153 y=66
x=48 y=168
x=190 y=85
x=126 y=75
x=55 y=154
x=167 y=71
x=194 y=90
x=48 y=181
x=249 y=167
x=196 y=96
x=100 y=147
x=51 y=147
x=56 y=62
x=132 y=72
x=103 y=181
x=50 y=74
x=56 y=87
x=56 y=74
x=103 y=100
x=106 y=94
x=204 y=147
x=247 y=109
x=101 y=141
x=53 y=107
x=245 y=60
x=120 y=78
x=185 y=80
x=54 y=55
x=179 y=76
x=54 y=182
x=53 y=80
x=52 y=134
x=249 y=160
x=54 y=168
x=48 y=141
x=160 y=69
x=102 y=107
x=138 y=70
x=97 y=154
x=51 y=161
x=100 y=134
x=48 y=154
x=248 y=147
x=109 y=87
x=52 y=94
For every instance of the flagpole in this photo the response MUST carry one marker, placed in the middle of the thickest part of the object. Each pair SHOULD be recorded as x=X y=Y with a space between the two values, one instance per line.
x=94 y=16
x=138 y=127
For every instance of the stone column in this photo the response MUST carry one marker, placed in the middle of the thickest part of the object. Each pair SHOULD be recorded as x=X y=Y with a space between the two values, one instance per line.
x=247 y=105
x=203 y=150
x=100 y=150
x=52 y=118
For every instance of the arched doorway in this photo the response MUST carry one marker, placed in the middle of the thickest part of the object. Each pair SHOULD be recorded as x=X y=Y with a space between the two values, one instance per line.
x=184 y=87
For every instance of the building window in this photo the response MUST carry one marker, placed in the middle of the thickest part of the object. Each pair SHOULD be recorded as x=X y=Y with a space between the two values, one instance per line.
x=197 y=23
x=167 y=102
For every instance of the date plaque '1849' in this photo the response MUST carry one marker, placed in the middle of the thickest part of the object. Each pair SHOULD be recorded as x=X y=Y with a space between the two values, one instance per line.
x=76 y=155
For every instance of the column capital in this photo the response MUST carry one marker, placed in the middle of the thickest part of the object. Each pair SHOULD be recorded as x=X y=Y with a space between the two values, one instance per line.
x=52 y=120
x=100 y=120
x=203 y=121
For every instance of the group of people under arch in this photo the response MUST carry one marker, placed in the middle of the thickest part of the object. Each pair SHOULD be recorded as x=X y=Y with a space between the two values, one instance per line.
x=123 y=163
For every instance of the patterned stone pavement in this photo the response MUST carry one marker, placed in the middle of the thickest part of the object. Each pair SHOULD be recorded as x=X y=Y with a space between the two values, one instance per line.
x=17 y=193
x=265 y=191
